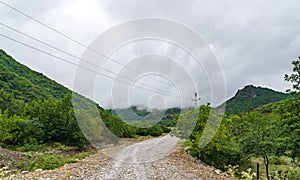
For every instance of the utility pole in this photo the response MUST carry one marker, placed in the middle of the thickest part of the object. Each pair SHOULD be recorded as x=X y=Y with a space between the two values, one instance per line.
x=196 y=99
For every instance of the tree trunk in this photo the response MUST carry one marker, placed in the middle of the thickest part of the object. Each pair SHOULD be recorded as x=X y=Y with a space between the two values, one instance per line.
x=257 y=171
x=266 y=162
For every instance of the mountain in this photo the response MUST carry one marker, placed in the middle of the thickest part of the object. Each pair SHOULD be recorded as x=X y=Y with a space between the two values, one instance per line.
x=143 y=117
x=39 y=110
x=36 y=110
x=248 y=98
x=251 y=97
x=26 y=84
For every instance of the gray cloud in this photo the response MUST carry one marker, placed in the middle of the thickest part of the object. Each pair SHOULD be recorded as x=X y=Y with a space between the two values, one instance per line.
x=251 y=38
x=254 y=41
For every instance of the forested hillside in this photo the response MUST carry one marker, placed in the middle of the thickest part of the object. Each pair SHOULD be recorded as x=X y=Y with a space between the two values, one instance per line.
x=25 y=84
x=35 y=110
x=251 y=97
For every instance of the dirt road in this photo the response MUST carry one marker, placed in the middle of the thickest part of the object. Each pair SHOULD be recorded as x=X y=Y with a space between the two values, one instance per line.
x=157 y=158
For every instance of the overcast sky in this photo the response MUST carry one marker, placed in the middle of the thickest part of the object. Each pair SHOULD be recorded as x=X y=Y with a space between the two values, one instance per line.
x=254 y=41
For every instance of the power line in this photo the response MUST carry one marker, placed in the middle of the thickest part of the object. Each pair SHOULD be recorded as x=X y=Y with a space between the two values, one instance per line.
x=76 y=57
x=62 y=59
x=77 y=42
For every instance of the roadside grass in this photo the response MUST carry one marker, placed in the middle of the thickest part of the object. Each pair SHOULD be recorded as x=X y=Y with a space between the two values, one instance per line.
x=45 y=157
x=55 y=157
x=44 y=161
x=279 y=167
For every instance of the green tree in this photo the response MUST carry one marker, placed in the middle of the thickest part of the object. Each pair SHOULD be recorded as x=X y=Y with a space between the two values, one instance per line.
x=289 y=111
x=185 y=123
x=289 y=129
x=258 y=136
x=294 y=78
x=223 y=149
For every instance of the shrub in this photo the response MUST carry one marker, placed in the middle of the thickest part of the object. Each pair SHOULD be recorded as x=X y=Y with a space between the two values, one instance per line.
x=32 y=147
x=84 y=154
x=276 y=160
x=155 y=130
x=45 y=161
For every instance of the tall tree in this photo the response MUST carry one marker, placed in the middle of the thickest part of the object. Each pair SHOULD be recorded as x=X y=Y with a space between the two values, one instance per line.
x=294 y=78
x=290 y=116
x=258 y=137
x=289 y=129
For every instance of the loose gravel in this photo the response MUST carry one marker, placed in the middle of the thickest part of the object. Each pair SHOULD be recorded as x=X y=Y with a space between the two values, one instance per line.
x=157 y=158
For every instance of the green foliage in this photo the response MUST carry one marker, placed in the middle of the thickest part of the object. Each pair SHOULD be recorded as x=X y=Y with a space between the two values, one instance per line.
x=251 y=97
x=289 y=131
x=42 y=121
x=248 y=174
x=32 y=147
x=9 y=104
x=294 y=78
x=144 y=118
x=232 y=170
x=270 y=131
x=83 y=155
x=20 y=87
x=293 y=173
x=168 y=123
x=44 y=161
x=117 y=126
x=221 y=151
x=276 y=160
x=61 y=147
x=164 y=128
x=258 y=135
x=58 y=121
x=267 y=132
x=171 y=113
x=223 y=148
x=204 y=112
x=16 y=130
x=26 y=84
x=290 y=173
x=155 y=130
x=37 y=110
x=185 y=123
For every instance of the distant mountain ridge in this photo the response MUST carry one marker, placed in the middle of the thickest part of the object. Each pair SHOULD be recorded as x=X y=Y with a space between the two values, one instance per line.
x=248 y=98
x=251 y=97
